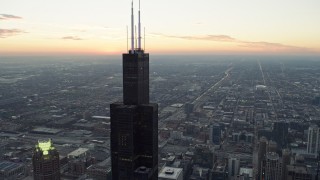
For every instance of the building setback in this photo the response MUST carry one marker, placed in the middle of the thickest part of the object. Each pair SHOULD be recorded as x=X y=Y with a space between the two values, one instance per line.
x=134 y=122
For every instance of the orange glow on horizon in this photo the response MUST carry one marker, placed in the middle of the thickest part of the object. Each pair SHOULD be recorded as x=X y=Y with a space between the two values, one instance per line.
x=213 y=27
x=155 y=45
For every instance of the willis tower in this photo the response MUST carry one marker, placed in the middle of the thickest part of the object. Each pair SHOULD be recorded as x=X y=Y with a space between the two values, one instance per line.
x=134 y=122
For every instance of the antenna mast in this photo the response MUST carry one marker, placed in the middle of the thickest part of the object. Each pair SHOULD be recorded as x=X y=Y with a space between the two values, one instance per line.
x=127 y=39
x=132 y=29
x=139 y=30
x=144 y=39
x=135 y=30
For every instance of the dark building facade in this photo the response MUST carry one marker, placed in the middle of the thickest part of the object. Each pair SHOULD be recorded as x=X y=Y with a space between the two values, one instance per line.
x=215 y=134
x=262 y=151
x=45 y=161
x=280 y=133
x=134 y=122
x=297 y=172
x=142 y=173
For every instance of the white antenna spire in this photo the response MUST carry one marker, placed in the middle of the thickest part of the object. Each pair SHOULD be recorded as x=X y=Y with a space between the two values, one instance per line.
x=127 y=38
x=144 y=39
x=132 y=29
x=139 y=30
x=135 y=36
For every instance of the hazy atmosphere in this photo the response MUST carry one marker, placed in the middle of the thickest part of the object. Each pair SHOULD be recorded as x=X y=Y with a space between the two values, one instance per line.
x=172 y=27
x=199 y=90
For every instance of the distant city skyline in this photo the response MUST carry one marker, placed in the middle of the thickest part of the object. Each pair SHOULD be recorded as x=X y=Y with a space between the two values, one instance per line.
x=173 y=27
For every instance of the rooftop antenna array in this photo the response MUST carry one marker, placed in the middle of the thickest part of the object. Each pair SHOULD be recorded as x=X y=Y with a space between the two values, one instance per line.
x=132 y=30
x=135 y=30
x=139 y=29
x=144 y=39
x=136 y=38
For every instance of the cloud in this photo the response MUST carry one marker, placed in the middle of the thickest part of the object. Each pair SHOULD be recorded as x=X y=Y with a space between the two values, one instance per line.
x=269 y=46
x=8 y=17
x=272 y=46
x=4 y=33
x=79 y=30
x=223 y=38
x=72 y=38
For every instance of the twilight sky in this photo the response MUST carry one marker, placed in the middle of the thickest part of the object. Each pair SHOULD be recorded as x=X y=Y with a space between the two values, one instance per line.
x=172 y=26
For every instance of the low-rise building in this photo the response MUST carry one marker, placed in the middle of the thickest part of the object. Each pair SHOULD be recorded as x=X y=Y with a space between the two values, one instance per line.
x=168 y=173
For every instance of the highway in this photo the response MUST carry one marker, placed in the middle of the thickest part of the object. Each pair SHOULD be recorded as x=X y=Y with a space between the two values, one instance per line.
x=198 y=100
x=268 y=91
x=180 y=114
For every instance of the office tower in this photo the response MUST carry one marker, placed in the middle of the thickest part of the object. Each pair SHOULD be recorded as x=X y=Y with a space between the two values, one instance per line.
x=273 y=167
x=280 y=133
x=286 y=160
x=188 y=108
x=134 y=122
x=203 y=155
x=233 y=166
x=45 y=161
x=313 y=140
x=246 y=173
x=219 y=171
x=79 y=160
x=272 y=146
x=100 y=171
x=200 y=173
x=215 y=134
x=298 y=172
x=316 y=101
x=249 y=137
x=261 y=154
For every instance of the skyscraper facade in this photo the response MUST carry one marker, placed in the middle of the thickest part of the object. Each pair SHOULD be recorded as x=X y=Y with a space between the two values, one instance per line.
x=261 y=156
x=215 y=134
x=233 y=166
x=280 y=133
x=273 y=167
x=286 y=160
x=313 y=140
x=134 y=122
x=46 y=164
x=298 y=172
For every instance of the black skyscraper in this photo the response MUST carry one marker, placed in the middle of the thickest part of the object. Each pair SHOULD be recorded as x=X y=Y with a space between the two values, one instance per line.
x=134 y=123
x=280 y=133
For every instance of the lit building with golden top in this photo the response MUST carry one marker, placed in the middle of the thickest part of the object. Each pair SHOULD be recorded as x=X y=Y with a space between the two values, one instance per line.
x=45 y=161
